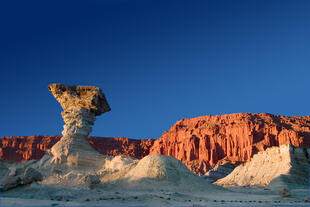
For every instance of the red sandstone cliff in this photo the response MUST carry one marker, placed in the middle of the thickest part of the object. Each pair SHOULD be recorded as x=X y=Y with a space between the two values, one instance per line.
x=137 y=148
x=202 y=142
x=33 y=147
x=23 y=148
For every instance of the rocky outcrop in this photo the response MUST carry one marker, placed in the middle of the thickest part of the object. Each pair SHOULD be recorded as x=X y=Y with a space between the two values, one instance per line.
x=31 y=175
x=204 y=141
x=24 y=148
x=277 y=167
x=10 y=182
x=201 y=143
x=91 y=180
x=20 y=176
x=81 y=105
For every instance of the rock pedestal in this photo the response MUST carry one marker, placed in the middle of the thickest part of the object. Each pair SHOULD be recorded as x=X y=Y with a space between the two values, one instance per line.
x=81 y=105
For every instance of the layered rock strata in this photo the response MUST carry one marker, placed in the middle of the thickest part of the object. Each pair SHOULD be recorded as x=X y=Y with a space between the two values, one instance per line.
x=24 y=148
x=288 y=164
x=202 y=142
x=81 y=105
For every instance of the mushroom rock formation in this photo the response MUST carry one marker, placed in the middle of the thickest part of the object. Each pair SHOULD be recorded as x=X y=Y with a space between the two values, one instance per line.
x=81 y=105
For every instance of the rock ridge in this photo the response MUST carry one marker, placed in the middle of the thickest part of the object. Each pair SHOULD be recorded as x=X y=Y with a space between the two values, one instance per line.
x=23 y=148
x=201 y=143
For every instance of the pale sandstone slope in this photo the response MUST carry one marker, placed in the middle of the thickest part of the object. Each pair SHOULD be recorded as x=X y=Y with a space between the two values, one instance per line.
x=153 y=172
x=266 y=166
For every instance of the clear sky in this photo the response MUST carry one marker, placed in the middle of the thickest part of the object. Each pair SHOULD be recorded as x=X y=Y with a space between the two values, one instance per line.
x=156 y=61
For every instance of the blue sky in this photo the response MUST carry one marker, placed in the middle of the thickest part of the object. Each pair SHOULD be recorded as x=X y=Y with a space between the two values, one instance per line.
x=156 y=61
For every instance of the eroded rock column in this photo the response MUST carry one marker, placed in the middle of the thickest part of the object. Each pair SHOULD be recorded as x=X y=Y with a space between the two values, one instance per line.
x=81 y=105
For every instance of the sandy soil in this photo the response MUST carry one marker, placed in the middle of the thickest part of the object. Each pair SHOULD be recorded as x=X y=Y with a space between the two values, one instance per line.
x=153 y=181
x=39 y=195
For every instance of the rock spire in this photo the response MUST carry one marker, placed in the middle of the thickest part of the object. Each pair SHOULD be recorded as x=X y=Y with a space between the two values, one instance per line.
x=81 y=105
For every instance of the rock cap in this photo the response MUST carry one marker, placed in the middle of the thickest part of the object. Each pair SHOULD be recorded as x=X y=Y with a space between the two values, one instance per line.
x=89 y=97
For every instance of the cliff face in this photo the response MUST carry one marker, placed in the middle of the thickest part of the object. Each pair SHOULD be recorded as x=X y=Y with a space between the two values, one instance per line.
x=23 y=148
x=203 y=142
x=33 y=147
x=137 y=148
